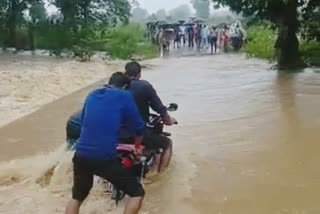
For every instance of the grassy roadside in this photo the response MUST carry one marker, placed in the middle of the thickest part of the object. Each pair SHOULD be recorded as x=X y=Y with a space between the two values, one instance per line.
x=261 y=40
x=123 y=41
x=128 y=41
x=310 y=52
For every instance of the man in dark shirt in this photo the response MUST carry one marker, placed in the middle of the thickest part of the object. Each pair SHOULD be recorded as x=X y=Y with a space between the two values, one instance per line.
x=146 y=96
x=103 y=112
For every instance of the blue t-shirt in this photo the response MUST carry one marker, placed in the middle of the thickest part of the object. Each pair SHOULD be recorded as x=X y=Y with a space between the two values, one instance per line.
x=104 y=111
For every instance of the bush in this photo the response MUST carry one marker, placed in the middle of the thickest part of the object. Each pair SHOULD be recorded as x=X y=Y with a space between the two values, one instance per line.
x=260 y=42
x=310 y=52
x=22 y=39
x=3 y=36
x=147 y=50
x=53 y=37
x=127 y=41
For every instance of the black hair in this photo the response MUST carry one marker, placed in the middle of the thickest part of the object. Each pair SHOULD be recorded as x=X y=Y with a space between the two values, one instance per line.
x=133 y=69
x=119 y=80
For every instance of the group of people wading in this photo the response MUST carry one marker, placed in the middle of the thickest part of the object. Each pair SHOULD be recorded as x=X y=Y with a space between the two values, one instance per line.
x=197 y=36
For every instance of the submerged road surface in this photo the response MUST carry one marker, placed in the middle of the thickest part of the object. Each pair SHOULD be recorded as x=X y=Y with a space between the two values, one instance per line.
x=247 y=143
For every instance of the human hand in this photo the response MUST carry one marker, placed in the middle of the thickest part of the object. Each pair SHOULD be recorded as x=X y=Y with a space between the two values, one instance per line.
x=139 y=150
x=170 y=121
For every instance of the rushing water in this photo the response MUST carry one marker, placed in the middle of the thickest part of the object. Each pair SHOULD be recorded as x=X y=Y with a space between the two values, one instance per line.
x=247 y=143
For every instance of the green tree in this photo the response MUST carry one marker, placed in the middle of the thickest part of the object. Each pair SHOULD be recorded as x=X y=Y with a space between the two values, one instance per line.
x=181 y=12
x=3 y=33
x=69 y=10
x=37 y=14
x=11 y=14
x=139 y=13
x=93 y=11
x=202 y=8
x=161 y=14
x=153 y=17
x=283 y=13
x=310 y=24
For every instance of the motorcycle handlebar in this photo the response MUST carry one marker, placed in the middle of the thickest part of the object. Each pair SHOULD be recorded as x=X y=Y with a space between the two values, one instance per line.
x=157 y=117
x=171 y=107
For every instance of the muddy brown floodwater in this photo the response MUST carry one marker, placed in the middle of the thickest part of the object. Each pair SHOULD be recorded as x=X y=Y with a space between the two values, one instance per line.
x=247 y=143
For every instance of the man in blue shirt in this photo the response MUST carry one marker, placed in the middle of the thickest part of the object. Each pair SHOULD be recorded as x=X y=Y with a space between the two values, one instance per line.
x=104 y=111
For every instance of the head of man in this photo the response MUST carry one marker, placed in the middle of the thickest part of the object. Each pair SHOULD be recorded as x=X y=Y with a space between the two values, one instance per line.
x=119 y=80
x=133 y=70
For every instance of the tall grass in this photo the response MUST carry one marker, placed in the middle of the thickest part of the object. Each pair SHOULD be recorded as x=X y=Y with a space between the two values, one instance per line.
x=310 y=52
x=260 y=42
x=127 y=41
x=123 y=41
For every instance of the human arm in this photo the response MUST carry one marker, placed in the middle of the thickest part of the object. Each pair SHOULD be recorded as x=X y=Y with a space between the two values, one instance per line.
x=157 y=105
x=154 y=100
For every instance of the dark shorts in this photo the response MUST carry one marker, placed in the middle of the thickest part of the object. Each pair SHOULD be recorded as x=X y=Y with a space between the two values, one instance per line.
x=124 y=179
x=213 y=40
x=153 y=141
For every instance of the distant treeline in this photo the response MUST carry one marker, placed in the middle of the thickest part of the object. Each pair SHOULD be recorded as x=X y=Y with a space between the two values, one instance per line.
x=79 y=26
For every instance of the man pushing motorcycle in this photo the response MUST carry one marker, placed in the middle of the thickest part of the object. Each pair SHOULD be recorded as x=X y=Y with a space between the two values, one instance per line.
x=103 y=112
x=146 y=97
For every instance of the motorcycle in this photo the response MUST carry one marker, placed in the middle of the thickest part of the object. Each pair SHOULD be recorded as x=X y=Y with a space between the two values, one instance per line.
x=236 y=42
x=149 y=161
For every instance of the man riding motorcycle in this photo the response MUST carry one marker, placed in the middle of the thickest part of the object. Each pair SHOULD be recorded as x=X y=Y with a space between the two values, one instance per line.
x=146 y=97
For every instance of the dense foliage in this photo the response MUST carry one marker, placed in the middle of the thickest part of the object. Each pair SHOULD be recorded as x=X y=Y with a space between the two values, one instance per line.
x=128 y=41
x=288 y=16
x=261 y=37
x=260 y=41
x=74 y=16
x=139 y=14
x=202 y=8
x=182 y=12
x=80 y=27
x=93 y=11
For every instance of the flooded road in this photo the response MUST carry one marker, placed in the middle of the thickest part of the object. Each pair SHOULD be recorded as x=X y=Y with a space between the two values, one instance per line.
x=247 y=143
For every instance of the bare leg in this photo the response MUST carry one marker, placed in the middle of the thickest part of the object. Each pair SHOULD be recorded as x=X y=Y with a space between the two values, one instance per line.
x=165 y=158
x=215 y=47
x=133 y=205
x=73 y=207
x=161 y=50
